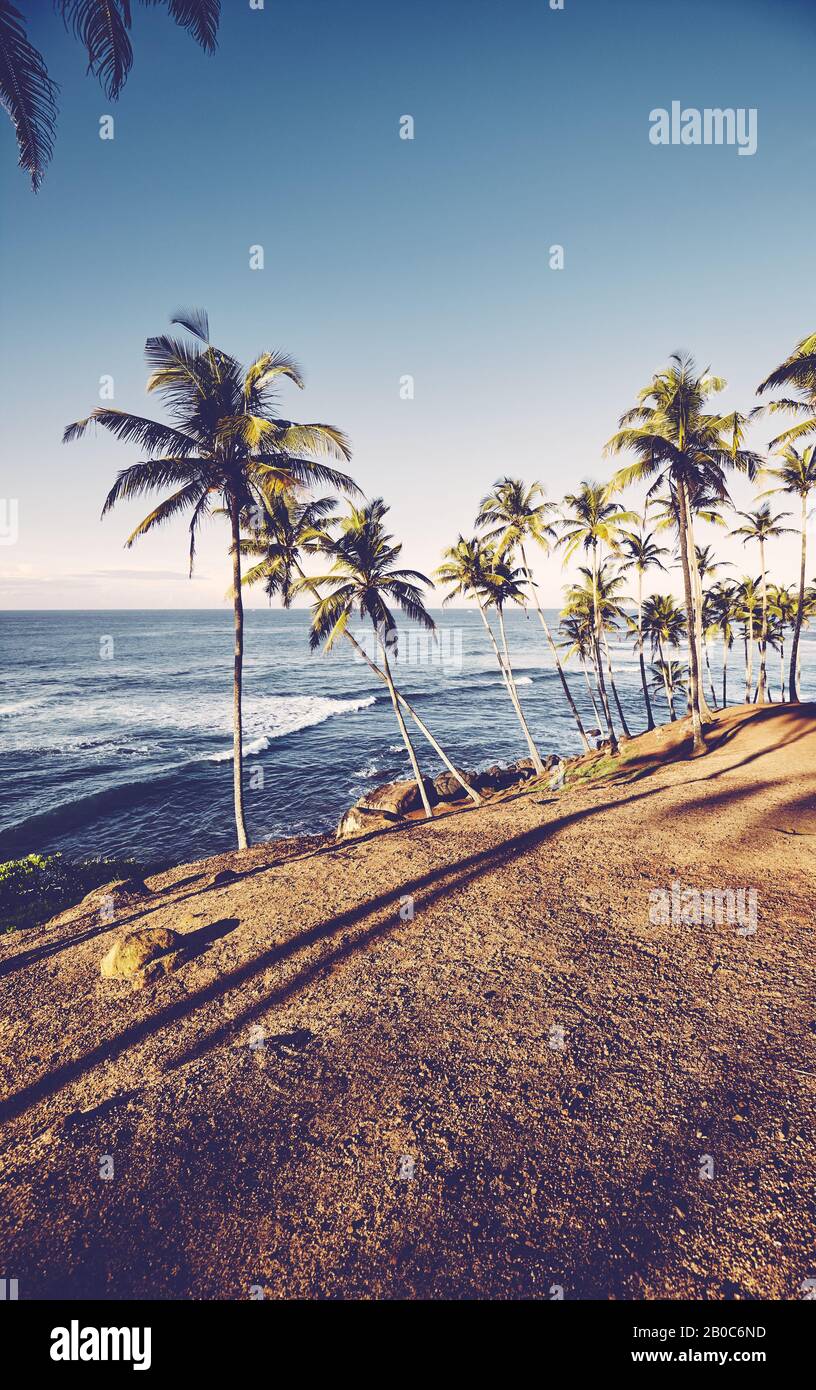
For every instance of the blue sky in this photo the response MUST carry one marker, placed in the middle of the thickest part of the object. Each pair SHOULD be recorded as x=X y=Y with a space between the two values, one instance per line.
x=386 y=257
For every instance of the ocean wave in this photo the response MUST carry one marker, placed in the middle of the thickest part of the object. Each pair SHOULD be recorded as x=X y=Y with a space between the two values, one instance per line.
x=289 y=714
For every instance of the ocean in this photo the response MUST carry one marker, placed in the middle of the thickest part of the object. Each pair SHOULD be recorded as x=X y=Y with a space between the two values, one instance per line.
x=115 y=726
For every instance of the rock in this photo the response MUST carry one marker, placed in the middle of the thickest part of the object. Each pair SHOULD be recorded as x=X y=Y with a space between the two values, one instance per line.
x=113 y=894
x=223 y=876
x=359 y=820
x=141 y=955
x=397 y=798
x=447 y=787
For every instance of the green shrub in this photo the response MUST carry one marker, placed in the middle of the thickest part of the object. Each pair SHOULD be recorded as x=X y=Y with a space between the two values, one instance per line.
x=41 y=885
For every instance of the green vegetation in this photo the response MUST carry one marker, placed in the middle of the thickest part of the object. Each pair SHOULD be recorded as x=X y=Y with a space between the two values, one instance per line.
x=40 y=885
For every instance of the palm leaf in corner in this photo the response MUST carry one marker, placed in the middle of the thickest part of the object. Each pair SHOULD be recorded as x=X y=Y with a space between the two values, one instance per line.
x=27 y=94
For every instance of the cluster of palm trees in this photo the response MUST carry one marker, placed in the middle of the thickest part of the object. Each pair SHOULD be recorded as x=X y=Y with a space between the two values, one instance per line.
x=225 y=451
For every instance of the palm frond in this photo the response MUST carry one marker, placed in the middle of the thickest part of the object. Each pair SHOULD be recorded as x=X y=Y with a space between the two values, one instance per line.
x=27 y=94
x=102 y=28
x=199 y=17
x=141 y=478
x=196 y=321
x=150 y=435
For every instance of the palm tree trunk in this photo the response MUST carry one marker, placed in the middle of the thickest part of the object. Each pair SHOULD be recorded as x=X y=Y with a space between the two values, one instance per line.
x=763 y=632
x=725 y=672
x=708 y=668
x=686 y=541
x=405 y=735
x=781 y=669
x=749 y=655
x=237 y=718
x=423 y=729
x=591 y=693
x=514 y=695
x=510 y=688
x=596 y=646
x=650 y=723
x=615 y=695
x=793 y=686
x=567 y=692
x=705 y=712
x=666 y=686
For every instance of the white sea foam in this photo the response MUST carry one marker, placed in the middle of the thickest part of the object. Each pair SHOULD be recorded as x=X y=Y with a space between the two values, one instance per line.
x=271 y=717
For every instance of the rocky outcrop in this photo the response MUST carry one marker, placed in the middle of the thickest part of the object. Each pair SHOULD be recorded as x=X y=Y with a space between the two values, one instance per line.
x=142 y=955
x=387 y=805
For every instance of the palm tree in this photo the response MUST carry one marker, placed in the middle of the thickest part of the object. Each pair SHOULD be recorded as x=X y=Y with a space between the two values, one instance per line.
x=471 y=569
x=677 y=442
x=796 y=477
x=710 y=626
x=226 y=446
x=599 y=594
x=577 y=631
x=641 y=553
x=590 y=522
x=782 y=610
x=665 y=624
x=747 y=600
x=761 y=526
x=287 y=531
x=671 y=675
x=798 y=371
x=103 y=28
x=722 y=603
x=512 y=514
x=365 y=578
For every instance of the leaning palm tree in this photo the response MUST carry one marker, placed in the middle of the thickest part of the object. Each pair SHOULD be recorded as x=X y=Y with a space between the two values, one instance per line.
x=470 y=569
x=29 y=95
x=577 y=631
x=665 y=625
x=288 y=531
x=513 y=514
x=761 y=526
x=796 y=477
x=225 y=449
x=591 y=521
x=640 y=552
x=366 y=579
x=799 y=372
x=679 y=443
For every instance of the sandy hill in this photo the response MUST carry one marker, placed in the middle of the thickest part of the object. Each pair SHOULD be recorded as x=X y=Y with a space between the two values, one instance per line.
x=455 y=1059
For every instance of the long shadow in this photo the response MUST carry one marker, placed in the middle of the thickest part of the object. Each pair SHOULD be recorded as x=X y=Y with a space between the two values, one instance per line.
x=440 y=881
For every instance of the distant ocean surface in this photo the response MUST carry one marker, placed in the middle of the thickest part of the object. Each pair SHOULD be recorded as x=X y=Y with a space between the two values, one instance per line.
x=115 y=727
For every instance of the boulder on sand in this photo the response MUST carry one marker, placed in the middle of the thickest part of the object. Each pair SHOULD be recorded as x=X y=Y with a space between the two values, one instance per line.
x=141 y=955
x=397 y=798
x=112 y=895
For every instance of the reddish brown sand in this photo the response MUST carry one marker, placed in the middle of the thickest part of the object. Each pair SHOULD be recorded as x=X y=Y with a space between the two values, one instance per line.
x=432 y=1040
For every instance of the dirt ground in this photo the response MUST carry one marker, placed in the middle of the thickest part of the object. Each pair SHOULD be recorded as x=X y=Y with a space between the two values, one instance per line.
x=453 y=1060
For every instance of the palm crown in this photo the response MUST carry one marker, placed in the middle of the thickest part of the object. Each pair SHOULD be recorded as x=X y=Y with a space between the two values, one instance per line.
x=366 y=579
x=225 y=446
x=798 y=371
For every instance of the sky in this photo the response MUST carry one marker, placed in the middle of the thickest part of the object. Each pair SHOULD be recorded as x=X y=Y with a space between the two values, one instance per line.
x=386 y=257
